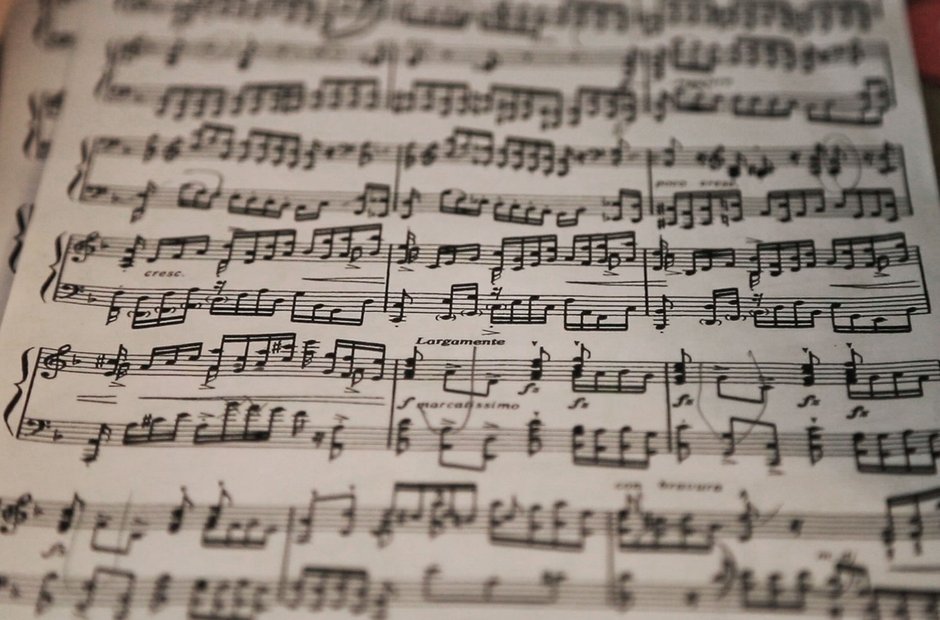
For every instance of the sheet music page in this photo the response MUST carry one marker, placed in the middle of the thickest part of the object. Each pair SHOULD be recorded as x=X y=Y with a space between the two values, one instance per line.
x=399 y=308
x=31 y=100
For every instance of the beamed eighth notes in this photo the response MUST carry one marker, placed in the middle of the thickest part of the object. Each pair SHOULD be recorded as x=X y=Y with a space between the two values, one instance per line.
x=494 y=308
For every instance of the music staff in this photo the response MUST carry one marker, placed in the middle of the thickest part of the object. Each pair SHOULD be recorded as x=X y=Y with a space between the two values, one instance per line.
x=684 y=209
x=632 y=90
x=285 y=354
x=164 y=306
x=877 y=191
x=904 y=452
x=865 y=105
x=744 y=51
x=435 y=509
x=521 y=20
x=365 y=244
x=352 y=589
x=480 y=148
x=465 y=387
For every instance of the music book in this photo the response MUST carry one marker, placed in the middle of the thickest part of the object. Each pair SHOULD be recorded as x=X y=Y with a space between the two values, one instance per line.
x=494 y=309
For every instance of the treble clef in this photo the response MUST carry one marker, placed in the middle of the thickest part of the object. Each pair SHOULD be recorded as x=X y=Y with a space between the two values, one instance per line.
x=83 y=248
x=54 y=362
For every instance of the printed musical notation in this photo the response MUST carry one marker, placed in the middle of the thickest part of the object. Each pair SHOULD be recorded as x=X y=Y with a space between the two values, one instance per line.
x=44 y=109
x=637 y=69
x=745 y=50
x=387 y=307
x=354 y=590
x=440 y=511
x=280 y=355
x=47 y=29
x=446 y=509
x=824 y=180
x=877 y=265
x=364 y=244
x=906 y=452
x=522 y=20
x=416 y=389
x=220 y=142
x=32 y=103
